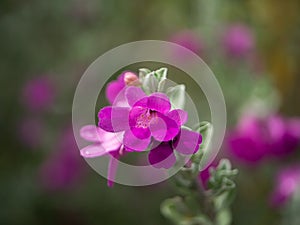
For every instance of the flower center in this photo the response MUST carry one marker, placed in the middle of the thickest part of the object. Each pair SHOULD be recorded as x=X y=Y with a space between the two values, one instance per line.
x=143 y=121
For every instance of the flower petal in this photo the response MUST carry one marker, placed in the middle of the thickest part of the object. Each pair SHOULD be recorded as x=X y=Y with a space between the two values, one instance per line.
x=134 y=94
x=92 y=151
x=113 y=89
x=139 y=122
x=179 y=115
x=120 y=99
x=159 y=102
x=187 y=142
x=114 y=142
x=132 y=142
x=162 y=156
x=90 y=133
x=109 y=141
x=114 y=118
x=112 y=170
x=141 y=133
x=163 y=128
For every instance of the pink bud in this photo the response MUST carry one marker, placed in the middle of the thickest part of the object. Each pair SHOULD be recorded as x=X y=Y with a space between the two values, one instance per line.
x=131 y=79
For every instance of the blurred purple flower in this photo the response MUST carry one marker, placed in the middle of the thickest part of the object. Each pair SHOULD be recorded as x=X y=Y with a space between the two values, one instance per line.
x=146 y=117
x=30 y=132
x=248 y=142
x=256 y=138
x=287 y=182
x=38 y=94
x=189 y=40
x=283 y=134
x=186 y=142
x=238 y=40
x=115 y=87
x=104 y=143
x=63 y=169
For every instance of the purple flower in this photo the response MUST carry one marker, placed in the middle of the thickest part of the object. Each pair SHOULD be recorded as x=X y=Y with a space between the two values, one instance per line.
x=63 y=169
x=287 y=182
x=114 y=88
x=146 y=117
x=104 y=143
x=248 y=142
x=257 y=138
x=186 y=142
x=238 y=40
x=138 y=123
x=38 y=94
x=284 y=137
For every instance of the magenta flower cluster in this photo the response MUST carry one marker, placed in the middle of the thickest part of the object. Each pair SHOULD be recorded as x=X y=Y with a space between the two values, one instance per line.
x=143 y=122
x=255 y=139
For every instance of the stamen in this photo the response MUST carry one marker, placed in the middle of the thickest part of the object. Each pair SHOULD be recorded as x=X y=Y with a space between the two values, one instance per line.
x=143 y=121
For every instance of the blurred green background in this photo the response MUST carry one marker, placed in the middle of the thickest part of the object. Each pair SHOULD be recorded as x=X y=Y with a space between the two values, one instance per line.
x=59 y=39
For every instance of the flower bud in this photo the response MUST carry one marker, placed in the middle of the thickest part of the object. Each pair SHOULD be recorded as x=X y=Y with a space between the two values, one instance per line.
x=131 y=79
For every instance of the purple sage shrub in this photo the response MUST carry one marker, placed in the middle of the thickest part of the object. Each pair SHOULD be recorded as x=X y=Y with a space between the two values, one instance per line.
x=255 y=139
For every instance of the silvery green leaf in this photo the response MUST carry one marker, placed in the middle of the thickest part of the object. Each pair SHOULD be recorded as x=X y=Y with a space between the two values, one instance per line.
x=161 y=74
x=224 y=200
x=221 y=185
x=177 y=96
x=224 y=217
x=150 y=83
x=142 y=73
x=224 y=165
x=206 y=130
x=174 y=209
x=165 y=84
x=179 y=213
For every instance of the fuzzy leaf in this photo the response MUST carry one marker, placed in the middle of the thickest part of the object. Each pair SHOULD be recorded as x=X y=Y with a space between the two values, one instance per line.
x=142 y=73
x=177 y=210
x=224 y=217
x=150 y=83
x=165 y=84
x=221 y=184
x=161 y=74
x=177 y=96
x=206 y=131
